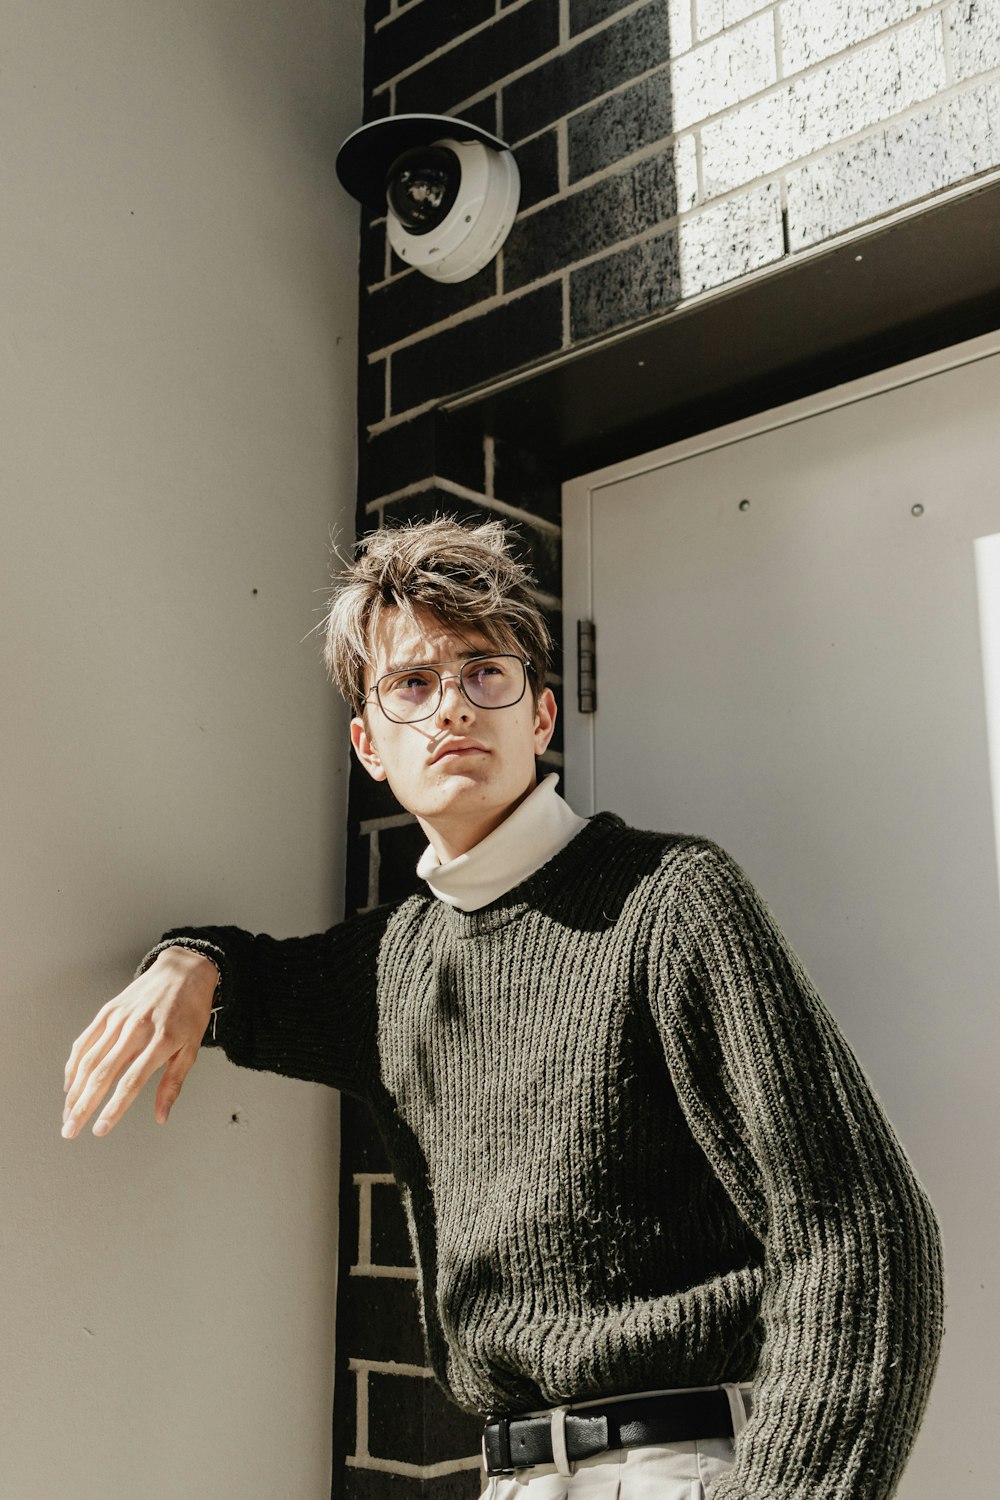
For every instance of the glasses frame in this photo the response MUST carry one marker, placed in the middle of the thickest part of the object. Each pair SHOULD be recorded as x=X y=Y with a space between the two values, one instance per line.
x=443 y=677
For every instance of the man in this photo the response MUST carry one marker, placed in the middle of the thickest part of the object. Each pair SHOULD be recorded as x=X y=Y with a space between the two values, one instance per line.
x=643 y=1174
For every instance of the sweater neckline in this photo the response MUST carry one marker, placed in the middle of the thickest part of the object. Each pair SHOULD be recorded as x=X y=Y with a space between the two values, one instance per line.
x=540 y=825
x=575 y=856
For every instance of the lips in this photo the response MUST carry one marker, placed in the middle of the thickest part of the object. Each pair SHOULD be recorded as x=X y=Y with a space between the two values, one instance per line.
x=458 y=748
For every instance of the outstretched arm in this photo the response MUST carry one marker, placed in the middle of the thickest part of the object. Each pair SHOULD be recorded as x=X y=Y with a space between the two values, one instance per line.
x=853 y=1296
x=303 y=1007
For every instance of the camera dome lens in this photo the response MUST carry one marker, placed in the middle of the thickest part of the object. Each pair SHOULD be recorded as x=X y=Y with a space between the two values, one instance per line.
x=422 y=186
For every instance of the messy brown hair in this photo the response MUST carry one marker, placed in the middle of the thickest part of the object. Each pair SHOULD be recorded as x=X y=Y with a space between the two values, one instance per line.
x=465 y=575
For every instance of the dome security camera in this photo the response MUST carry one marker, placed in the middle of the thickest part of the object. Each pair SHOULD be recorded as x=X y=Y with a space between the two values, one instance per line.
x=450 y=189
x=450 y=206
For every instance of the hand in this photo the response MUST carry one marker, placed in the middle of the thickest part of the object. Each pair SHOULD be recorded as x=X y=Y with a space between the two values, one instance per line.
x=160 y=1018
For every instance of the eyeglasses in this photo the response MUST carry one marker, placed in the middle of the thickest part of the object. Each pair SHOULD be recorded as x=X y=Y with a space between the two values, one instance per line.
x=415 y=693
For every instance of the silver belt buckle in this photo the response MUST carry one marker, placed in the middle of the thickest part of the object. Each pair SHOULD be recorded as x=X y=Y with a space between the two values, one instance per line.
x=503 y=1423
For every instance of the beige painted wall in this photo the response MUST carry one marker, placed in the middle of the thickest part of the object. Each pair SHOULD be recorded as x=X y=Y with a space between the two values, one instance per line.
x=177 y=378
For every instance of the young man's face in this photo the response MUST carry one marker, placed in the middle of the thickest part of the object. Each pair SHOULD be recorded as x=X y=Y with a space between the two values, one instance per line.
x=464 y=769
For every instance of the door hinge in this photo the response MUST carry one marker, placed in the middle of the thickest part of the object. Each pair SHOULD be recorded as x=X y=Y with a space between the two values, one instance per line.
x=586 y=666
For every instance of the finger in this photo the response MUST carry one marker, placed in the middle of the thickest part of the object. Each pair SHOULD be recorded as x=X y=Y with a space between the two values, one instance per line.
x=172 y=1081
x=131 y=1083
x=83 y=1042
x=98 y=1080
x=89 y=1061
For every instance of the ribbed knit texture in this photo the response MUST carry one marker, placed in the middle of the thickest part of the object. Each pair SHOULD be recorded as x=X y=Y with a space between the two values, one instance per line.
x=634 y=1149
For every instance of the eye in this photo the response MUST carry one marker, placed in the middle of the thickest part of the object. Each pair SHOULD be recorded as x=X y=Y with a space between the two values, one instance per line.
x=488 y=675
x=478 y=672
x=412 y=686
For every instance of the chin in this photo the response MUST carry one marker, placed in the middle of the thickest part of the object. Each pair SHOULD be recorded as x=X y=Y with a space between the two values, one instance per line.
x=462 y=796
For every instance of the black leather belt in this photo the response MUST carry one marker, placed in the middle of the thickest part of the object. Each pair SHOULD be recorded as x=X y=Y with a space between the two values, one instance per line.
x=516 y=1442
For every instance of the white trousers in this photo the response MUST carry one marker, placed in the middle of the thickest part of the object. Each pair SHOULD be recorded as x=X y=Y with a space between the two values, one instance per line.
x=673 y=1471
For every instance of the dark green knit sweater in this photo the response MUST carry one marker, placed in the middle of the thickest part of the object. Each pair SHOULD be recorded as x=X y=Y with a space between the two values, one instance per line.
x=634 y=1150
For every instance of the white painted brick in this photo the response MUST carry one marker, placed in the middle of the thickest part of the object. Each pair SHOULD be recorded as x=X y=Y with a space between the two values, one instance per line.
x=710 y=18
x=812 y=30
x=729 y=239
x=871 y=84
x=686 y=172
x=975 y=37
x=716 y=15
x=868 y=85
x=941 y=146
x=679 y=22
x=751 y=142
x=723 y=72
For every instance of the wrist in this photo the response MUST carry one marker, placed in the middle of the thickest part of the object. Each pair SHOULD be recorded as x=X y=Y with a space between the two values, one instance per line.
x=190 y=961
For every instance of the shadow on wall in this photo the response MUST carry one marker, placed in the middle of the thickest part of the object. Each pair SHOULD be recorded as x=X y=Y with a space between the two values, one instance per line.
x=274 y=59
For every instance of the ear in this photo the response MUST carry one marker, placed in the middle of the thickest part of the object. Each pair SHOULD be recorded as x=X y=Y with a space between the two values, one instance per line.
x=364 y=748
x=545 y=720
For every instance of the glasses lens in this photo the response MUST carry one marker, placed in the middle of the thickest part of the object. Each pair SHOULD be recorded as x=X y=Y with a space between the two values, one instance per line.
x=405 y=696
x=494 y=681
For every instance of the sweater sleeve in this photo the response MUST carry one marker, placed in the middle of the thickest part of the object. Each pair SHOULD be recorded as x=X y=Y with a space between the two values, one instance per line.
x=852 y=1304
x=303 y=1007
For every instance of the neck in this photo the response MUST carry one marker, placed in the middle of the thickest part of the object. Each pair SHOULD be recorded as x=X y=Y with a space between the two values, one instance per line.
x=451 y=837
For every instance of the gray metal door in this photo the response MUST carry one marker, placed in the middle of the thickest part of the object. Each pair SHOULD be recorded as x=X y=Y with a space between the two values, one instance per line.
x=790 y=660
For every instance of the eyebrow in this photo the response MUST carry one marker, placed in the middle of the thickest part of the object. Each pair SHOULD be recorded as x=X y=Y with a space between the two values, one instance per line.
x=404 y=666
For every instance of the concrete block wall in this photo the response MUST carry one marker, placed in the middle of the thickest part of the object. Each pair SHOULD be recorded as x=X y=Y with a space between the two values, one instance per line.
x=666 y=148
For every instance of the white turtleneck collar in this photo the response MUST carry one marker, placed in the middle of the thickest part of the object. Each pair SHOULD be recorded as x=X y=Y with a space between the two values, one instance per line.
x=536 y=830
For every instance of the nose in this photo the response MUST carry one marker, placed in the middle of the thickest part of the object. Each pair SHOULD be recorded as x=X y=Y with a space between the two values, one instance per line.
x=452 y=697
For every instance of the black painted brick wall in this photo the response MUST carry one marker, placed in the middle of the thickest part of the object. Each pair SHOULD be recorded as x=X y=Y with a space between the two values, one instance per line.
x=589 y=118
x=590 y=66
x=580 y=90
x=517 y=332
